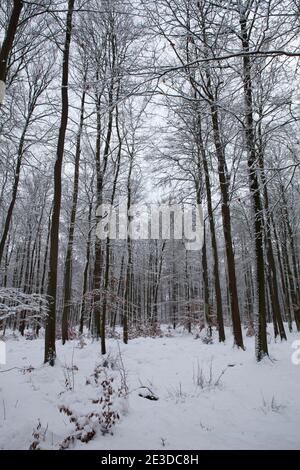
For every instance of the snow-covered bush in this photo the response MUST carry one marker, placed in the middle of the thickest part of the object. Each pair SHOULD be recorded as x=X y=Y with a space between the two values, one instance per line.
x=112 y=333
x=39 y=435
x=145 y=330
x=104 y=407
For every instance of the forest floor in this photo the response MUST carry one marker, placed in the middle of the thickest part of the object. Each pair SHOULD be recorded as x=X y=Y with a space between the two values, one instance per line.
x=210 y=396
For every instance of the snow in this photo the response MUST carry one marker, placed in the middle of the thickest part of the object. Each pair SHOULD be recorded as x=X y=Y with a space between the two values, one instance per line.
x=2 y=91
x=210 y=396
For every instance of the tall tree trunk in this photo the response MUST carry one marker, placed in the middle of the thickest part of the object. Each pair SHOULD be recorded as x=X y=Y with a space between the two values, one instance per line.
x=157 y=284
x=100 y=174
x=98 y=246
x=119 y=293
x=107 y=257
x=285 y=289
x=223 y=179
x=4 y=283
x=69 y=254
x=290 y=281
x=261 y=334
x=45 y=262
x=296 y=280
x=86 y=270
x=129 y=259
x=26 y=289
x=213 y=237
x=207 y=308
x=249 y=303
x=50 y=351
x=272 y=272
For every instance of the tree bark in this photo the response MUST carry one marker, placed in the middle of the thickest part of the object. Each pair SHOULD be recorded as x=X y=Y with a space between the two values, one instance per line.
x=69 y=254
x=129 y=260
x=86 y=270
x=261 y=334
x=272 y=273
x=223 y=179
x=50 y=351
x=107 y=251
x=213 y=238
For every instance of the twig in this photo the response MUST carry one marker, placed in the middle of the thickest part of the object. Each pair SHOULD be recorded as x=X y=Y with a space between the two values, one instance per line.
x=219 y=378
x=72 y=365
x=12 y=368
x=4 y=411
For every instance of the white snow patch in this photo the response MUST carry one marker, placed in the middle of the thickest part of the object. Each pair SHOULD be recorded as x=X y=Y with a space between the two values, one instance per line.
x=210 y=396
x=2 y=91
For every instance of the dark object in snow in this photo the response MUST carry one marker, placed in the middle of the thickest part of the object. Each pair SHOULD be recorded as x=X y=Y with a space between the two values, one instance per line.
x=149 y=397
x=148 y=394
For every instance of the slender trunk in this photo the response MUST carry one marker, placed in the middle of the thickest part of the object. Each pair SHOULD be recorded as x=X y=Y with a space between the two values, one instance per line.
x=272 y=271
x=15 y=273
x=6 y=262
x=105 y=296
x=293 y=250
x=207 y=309
x=223 y=179
x=119 y=294
x=129 y=259
x=213 y=239
x=69 y=254
x=249 y=303
x=86 y=271
x=26 y=289
x=157 y=284
x=37 y=275
x=107 y=260
x=289 y=275
x=100 y=174
x=261 y=334
x=45 y=262
x=284 y=284
x=50 y=351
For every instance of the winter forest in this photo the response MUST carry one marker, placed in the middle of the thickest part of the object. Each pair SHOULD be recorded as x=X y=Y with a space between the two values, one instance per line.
x=141 y=342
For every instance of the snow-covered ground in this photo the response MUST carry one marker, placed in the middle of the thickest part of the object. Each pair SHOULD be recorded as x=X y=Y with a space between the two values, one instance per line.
x=210 y=396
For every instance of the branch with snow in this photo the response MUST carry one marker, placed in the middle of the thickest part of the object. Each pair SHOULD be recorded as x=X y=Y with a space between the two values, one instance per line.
x=14 y=301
